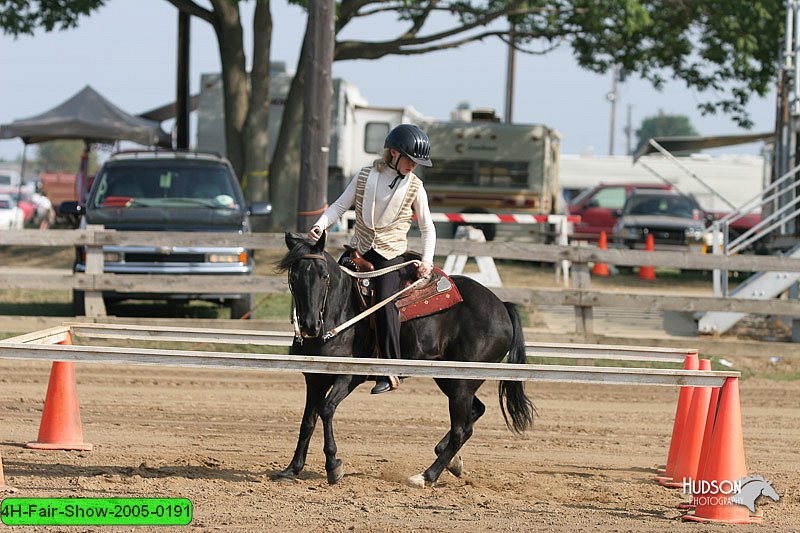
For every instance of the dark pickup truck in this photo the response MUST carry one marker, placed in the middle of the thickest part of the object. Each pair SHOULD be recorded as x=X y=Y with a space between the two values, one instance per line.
x=169 y=191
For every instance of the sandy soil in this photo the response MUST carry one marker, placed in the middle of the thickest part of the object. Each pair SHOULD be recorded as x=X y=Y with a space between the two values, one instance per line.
x=215 y=437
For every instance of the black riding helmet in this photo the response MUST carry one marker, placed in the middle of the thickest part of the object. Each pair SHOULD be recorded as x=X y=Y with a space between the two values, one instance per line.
x=412 y=142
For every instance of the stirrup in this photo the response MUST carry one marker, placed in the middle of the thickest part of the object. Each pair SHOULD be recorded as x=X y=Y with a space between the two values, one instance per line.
x=386 y=384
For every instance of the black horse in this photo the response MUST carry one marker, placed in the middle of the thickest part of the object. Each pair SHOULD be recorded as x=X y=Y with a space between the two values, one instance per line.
x=479 y=329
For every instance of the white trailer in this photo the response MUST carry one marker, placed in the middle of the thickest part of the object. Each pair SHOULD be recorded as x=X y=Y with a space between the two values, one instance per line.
x=480 y=164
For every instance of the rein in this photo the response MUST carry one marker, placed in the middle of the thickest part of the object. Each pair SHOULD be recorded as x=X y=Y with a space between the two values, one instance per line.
x=358 y=275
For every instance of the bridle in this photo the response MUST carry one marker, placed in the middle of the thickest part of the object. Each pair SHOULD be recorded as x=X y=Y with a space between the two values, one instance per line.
x=298 y=335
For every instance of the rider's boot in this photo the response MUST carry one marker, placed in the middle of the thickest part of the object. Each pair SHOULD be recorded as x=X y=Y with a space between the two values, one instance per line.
x=386 y=384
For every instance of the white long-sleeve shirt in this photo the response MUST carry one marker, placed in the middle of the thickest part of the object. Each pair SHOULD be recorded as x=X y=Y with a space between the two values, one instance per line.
x=383 y=195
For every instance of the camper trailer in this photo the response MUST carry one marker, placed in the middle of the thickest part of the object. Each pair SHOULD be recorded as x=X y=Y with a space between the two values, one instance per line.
x=484 y=166
x=9 y=178
x=480 y=164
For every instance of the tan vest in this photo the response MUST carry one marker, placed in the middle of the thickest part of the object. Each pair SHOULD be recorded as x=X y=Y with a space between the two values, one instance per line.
x=390 y=240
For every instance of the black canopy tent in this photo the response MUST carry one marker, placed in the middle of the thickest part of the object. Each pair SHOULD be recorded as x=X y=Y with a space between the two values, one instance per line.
x=90 y=117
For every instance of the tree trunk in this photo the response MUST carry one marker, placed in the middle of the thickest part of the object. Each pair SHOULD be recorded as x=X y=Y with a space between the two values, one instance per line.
x=256 y=128
x=228 y=27
x=313 y=185
x=284 y=173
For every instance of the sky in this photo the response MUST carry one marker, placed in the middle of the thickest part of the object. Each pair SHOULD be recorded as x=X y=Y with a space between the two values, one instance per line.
x=127 y=52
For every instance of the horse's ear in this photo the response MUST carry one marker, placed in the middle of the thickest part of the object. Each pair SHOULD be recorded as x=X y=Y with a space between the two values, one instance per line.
x=320 y=245
x=291 y=240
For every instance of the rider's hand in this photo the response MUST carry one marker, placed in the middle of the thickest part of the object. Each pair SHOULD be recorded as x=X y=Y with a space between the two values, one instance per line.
x=424 y=269
x=314 y=233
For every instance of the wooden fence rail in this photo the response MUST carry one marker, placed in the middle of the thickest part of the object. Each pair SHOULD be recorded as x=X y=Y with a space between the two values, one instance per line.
x=582 y=298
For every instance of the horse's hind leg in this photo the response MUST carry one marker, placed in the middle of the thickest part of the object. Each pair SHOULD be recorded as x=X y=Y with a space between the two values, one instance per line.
x=456 y=464
x=460 y=396
x=342 y=388
x=315 y=393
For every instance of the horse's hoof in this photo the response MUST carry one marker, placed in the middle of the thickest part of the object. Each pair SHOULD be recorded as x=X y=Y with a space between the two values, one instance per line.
x=336 y=474
x=287 y=473
x=456 y=466
x=417 y=482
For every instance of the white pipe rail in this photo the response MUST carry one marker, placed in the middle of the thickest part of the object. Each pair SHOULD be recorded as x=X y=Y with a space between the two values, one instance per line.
x=278 y=338
x=365 y=367
x=40 y=345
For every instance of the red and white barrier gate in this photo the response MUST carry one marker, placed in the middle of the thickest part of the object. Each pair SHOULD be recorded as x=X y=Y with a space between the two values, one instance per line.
x=488 y=275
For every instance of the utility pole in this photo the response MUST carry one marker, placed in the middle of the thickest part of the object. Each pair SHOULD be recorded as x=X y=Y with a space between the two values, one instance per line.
x=314 y=149
x=612 y=97
x=510 y=74
x=182 y=93
x=628 y=132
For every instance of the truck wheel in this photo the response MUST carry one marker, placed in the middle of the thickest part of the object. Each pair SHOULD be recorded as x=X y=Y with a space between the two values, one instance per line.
x=78 y=303
x=241 y=306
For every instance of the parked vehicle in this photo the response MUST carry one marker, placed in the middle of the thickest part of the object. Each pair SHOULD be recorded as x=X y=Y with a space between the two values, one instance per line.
x=675 y=221
x=11 y=216
x=484 y=166
x=9 y=178
x=169 y=191
x=23 y=201
x=598 y=207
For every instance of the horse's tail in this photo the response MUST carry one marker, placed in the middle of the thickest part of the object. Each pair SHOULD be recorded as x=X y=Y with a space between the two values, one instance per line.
x=513 y=402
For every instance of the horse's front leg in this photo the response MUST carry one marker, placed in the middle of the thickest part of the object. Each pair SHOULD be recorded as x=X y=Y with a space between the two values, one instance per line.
x=316 y=388
x=341 y=389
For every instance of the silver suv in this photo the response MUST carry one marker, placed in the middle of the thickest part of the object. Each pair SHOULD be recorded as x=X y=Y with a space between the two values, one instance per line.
x=169 y=191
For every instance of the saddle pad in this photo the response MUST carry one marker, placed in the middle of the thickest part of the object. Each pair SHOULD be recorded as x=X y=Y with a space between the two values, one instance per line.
x=437 y=295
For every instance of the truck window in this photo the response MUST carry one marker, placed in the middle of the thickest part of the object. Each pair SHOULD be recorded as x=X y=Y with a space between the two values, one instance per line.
x=5 y=180
x=189 y=185
x=610 y=198
x=374 y=135
x=508 y=175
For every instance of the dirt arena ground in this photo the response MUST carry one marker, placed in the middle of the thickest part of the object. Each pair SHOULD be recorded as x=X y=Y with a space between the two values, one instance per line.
x=216 y=436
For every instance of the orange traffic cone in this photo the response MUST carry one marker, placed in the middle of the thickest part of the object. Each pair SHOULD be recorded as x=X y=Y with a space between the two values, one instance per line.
x=692 y=440
x=684 y=400
x=706 y=447
x=601 y=269
x=61 y=419
x=648 y=272
x=709 y=431
x=725 y=465
x=3 y=486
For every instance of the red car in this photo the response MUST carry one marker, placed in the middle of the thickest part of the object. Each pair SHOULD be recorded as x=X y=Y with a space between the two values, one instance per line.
x=24 y=202
x=596 y=207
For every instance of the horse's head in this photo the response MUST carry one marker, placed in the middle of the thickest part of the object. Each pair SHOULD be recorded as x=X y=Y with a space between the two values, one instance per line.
x=309 y=282
x=769 y=491
x=752 y=488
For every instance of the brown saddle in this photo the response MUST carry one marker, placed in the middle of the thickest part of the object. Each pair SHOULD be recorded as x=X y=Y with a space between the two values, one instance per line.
x=435 y=295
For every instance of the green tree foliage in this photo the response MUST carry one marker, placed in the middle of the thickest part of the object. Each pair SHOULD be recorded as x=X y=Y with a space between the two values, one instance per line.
x=63 y=156
x=663 y=125
x=19 y=17
x=725 y=49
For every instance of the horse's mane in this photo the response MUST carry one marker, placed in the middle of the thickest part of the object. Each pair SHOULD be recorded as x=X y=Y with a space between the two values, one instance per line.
x=301 y=248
